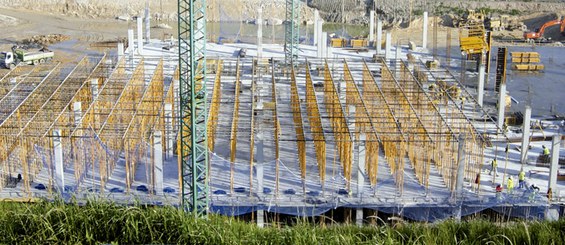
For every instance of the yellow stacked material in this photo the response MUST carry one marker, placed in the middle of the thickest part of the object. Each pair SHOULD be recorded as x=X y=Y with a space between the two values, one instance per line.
x=358 y=43
x=473 y=45
x=528 y=67
x=526 y=61
x=337 y=42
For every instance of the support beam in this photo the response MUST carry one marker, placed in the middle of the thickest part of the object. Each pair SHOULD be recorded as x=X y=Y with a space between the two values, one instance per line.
x=388 y=46
x=147 y=23
x=259 y=23
x=425 y=31
x=324 y=40
x=525 y=135
x=58 y=156
x=316 y=24
x=554 y=168
x=481 y=86
x=158 y=161
x=120 y=51
x=131 y=46
x=378 y=45
x=170 y=130
x=501 y=105
x=372 y=26
x=139 y=35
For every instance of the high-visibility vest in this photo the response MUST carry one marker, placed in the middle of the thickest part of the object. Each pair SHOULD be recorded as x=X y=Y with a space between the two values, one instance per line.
x=521 y=175
x=546 y=151
x=510 y=184
x=493 y=163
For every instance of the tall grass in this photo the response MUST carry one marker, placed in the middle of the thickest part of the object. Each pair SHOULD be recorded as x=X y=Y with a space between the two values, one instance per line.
x=104 y=222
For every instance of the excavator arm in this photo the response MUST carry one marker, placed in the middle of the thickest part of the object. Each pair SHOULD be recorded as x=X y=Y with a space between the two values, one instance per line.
x=539 y=33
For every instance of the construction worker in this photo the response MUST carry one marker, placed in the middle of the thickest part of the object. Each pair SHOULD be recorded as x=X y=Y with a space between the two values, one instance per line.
x=545 y=151
x=493 y=166
x=522 y=179
x=510 y=185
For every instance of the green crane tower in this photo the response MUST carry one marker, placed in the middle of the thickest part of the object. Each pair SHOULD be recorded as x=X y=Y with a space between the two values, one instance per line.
x=193 y=108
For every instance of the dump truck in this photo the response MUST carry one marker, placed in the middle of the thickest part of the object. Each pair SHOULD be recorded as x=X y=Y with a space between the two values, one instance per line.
x=11 y=59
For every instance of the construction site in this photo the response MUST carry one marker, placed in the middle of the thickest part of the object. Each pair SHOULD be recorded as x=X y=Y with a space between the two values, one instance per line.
x=445 y=124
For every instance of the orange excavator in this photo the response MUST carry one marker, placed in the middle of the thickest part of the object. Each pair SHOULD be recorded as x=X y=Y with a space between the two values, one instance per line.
x=539 y=32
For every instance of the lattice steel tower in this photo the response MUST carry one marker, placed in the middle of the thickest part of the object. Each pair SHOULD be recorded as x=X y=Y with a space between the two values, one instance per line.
x=193 y=108
x=292 y=31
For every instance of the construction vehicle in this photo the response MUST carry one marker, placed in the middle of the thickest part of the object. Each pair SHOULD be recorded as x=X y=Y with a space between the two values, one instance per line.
x=538 y=33
x=470 y=18
x=10 y=60
x=504 y=22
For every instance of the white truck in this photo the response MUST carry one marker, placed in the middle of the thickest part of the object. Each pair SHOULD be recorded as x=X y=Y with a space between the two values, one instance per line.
x=10 y=60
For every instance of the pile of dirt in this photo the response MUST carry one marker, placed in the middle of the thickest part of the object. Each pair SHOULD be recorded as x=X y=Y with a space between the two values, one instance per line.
x=45 y=40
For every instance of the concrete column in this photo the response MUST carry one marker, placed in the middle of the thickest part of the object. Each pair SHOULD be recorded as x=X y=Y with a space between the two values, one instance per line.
x=361 y=151
x=259 y=23
x=526 y=134
x=388 y=41
x=120 y=51
x=147 y=23
x=324 y=44
x=94 y=88
x=139 y=35
x=130 y=42
x=460 y=165
x=170 y=133
x=501 y=105
x=316 y=18
x=372 y=26
x=319 y=40
x=397 y=60
x=58 y=153
x=77 y=111
x=554 y=162
x=260 y=159
x=460 y=176
x=158 y=160
x=481 y=87
x=425 y=31
x=379 y=36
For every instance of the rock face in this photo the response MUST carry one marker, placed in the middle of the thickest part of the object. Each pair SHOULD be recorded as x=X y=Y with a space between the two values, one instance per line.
x=166 y=10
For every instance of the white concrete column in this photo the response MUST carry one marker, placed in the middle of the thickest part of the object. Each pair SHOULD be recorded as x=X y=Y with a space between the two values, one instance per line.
x=460 y=165
x=94 y=88
x=379 y=36
x=324 y=44
x=501 y=105
x=259 y=23
x=372 y=26
x=425 y=31
x=158 y=160
x=554 y=162
x=316 y=23
x=58 y=154
x=481 y=86
x=77 y=111
x=319 y=40
x=361 y=151
x=170 y=133
x=388 y=41
x=260 y=159
x=120 y=51
x=130 y=42
x=526 y=134
x=147 y=23
x=139 y=35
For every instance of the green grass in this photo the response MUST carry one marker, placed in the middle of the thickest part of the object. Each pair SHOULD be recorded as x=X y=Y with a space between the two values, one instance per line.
x=103 y=222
